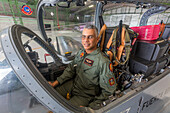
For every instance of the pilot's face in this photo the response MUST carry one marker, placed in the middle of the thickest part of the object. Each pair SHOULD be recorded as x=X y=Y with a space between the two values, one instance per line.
x=89 y=40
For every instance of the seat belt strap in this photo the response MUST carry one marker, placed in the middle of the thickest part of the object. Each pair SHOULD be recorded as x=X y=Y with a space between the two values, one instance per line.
x=125 y=41
x=102 y=32
x=110 y=54
x=121 y=47
x=162 y=28
x=109 y=43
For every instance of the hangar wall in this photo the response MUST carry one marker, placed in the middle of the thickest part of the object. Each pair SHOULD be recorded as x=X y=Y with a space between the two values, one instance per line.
x=131 y=16
x=10 y=14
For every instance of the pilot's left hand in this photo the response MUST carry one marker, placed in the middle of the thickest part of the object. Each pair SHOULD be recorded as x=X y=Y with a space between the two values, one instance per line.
x=55 y=83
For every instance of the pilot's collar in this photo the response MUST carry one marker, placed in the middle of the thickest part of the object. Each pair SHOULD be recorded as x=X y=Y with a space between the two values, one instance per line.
x=94 y=52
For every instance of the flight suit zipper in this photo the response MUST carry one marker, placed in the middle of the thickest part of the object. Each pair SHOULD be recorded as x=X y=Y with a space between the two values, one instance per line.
x=74 y=83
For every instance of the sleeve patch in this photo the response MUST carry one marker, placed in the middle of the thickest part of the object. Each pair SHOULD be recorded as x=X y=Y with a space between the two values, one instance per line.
x=111 y=81
x=111 y=67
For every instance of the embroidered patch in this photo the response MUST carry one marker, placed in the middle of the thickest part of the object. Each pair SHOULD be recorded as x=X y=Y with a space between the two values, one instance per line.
x=111 y=81
x=88 y=62
x=82 y=54
x=111 y=67
x=26 y=10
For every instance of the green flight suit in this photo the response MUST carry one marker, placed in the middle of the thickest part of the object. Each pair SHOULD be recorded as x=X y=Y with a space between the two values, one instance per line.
x=90 y=79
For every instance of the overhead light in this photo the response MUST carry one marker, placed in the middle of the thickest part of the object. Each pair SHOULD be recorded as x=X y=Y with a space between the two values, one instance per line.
x=78 y=18
x=90 y=6
x=85 y=3
x=52 y=14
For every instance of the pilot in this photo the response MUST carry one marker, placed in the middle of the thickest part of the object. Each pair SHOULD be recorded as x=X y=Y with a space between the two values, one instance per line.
x=89 y=79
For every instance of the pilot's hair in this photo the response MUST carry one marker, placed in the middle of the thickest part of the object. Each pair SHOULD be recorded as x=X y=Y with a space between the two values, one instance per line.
x=90 y=26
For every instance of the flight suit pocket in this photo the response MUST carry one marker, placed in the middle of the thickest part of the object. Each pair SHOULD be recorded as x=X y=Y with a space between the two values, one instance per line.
x=90 y=75
x=90 y=70
x=78 y=64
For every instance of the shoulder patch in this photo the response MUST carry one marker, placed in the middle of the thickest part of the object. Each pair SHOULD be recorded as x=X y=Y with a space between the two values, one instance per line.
x=88 y=62
x=82 y=54
x=111 y=81
x=111 y=67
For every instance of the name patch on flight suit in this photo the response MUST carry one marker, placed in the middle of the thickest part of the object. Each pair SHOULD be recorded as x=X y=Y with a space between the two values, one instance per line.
x=111 y=81
x=88 y=62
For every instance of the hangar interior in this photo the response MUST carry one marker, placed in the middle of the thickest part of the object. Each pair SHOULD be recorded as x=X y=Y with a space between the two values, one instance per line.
x=60 y=21
x=63 y=18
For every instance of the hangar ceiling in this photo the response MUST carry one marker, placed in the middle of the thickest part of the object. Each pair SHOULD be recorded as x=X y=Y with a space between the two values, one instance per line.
x=13 y=7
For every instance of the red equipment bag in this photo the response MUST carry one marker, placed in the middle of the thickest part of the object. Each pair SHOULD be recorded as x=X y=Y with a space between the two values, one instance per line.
x=149 y=32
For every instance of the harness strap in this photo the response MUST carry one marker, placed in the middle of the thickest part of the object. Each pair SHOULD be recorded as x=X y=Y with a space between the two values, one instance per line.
x=125 y=43
x=162 y=28
x=102 y=31
x=110 y=40
x=110 y=55
x=120 y=49
x=111 y=43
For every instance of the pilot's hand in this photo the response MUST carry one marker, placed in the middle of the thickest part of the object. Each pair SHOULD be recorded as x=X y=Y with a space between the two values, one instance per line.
x=55 y=83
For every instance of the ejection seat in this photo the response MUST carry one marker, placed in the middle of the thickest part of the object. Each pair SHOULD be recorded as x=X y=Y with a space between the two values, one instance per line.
x=121 y=70
x=120 y=39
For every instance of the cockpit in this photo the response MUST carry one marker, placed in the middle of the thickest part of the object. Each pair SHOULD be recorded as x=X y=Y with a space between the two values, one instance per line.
x=29 y=59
